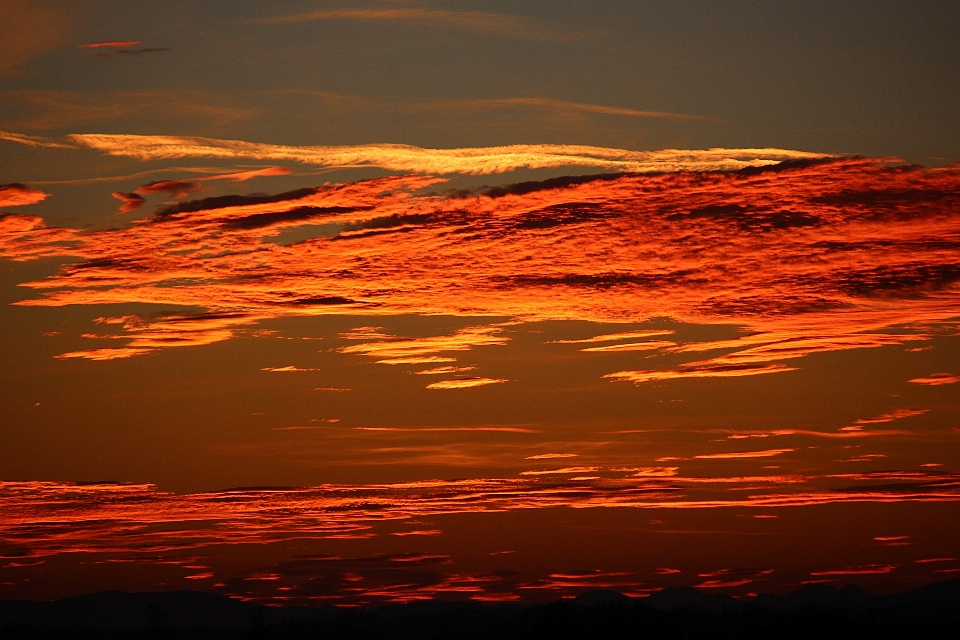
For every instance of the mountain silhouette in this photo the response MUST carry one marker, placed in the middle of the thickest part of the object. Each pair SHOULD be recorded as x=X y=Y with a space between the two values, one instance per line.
x=815 y=611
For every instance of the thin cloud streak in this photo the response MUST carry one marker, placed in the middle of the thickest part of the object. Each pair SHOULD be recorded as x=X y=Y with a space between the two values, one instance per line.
x=465 y=383
x=35 y=141
x=99 y=45
x=472 y=161
x=49 y=109
x=697 y=372
x=494 y=24
x=937 y=379
x=768 y=453
x=626 y=335
x=558 y=105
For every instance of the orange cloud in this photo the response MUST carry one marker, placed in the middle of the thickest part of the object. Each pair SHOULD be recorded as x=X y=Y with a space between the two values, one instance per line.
x=869 y=569
x=405 y=350
x=35 y=141
x=443 y=370
x=722 y=584
x=130 y=201
x=562 y=471
x=113 y=43
x=866 y=254
x=443 y=429
x=477 y=161
x=243 y=176
x=464 y=383
x=137 y=520
x=626 y=335
x=655 y=472
x=649 y=345
x=110 y=353
x=24 y=237
x=768 y=453
x=164 y=331
x=728 y=371
x=896 y=414
x=18 y=195
x=547 y=456
x=936 y=379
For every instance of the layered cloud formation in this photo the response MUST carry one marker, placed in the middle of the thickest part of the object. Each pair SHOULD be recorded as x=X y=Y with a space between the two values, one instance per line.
x=137 y=524
x=807 y=255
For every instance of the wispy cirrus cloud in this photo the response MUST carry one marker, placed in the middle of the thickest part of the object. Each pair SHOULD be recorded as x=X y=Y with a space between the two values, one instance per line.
x=553 y=104
x=35 y=141
x=48 y=109
x=492 y=24
x=393 y=157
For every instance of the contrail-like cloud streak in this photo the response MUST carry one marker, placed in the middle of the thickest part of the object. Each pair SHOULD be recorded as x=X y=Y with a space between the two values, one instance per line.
x=399 y=157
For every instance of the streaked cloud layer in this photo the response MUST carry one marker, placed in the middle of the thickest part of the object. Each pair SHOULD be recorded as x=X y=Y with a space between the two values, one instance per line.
x=808 y=256
x=138 y=524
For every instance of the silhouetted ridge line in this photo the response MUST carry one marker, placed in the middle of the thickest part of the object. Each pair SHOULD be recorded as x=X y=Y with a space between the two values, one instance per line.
x=816 y=610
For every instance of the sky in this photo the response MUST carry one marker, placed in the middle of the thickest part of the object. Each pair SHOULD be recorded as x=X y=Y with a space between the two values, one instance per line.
x=367 y=303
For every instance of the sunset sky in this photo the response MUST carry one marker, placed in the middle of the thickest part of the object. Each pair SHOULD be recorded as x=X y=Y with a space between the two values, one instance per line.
x=371 y=302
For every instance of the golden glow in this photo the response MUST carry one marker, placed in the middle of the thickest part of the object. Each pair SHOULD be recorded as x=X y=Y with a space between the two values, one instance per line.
x=464 y=383
x=397 y=157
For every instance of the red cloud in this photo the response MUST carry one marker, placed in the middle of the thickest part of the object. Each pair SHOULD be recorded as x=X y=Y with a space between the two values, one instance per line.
x=131 y=201
x=116 y=43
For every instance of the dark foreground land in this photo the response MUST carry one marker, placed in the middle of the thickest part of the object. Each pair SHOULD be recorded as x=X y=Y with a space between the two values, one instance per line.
x=815 y=611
